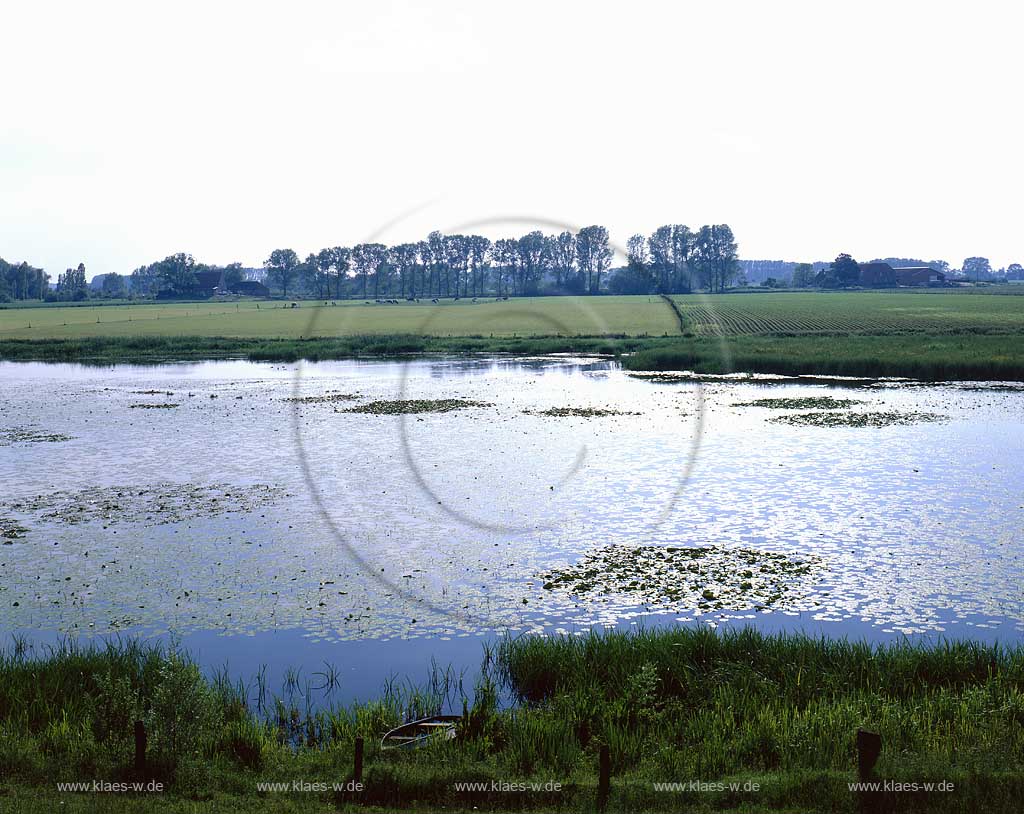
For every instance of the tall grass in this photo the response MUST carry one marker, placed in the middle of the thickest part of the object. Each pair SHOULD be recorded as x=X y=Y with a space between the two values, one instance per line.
x=671 y=705
x=156 y=349
x=973 y=357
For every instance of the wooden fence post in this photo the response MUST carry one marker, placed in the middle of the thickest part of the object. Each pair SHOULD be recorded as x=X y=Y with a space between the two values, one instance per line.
x=357 y=771
x=604 y=777
x=140 y=746
x=869 y=747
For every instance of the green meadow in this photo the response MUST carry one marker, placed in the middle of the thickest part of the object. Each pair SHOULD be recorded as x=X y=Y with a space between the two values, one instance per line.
x=930 y=335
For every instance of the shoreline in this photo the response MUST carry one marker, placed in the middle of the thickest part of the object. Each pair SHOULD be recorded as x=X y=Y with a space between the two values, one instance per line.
x=926 y=357
x=779 y=710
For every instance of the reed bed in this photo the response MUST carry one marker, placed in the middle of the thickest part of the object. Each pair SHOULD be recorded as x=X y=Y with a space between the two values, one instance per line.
x=670 y=705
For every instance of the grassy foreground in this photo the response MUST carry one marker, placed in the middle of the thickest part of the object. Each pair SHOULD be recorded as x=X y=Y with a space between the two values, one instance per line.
x=775 y=715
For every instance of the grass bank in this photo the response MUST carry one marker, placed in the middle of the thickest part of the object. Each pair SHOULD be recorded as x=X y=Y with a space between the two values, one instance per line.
x=975 y=357
x=155 y=349
x=671 y=706
x=968 y=356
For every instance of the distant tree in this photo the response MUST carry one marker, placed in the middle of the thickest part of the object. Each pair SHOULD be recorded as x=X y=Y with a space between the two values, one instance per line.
x=233 y=275
x=531 y=262
x=367 y=258
x=636 y=277
x=562 y=250
x=977 y=268
x=803 y=275
x=177 y=274
x=20 y=281
x=595 y=255
x=144 y=281
x=715 y=256
x=843 y=272
x=405 y=258
x=479 y=259
x=339 y=260
x=71 y=285
x=505 y=254
x=311 y=277
x=1015 y=271
x=683 y=241
x=661 y=263
x=282 y=267
x=638 y=257
x=113 y=285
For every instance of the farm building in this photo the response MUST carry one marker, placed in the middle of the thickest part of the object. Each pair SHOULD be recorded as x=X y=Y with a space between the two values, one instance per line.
x=877 y=275
x=250 y=288
x=882 y=275
x=212 y=283
x=919 y=275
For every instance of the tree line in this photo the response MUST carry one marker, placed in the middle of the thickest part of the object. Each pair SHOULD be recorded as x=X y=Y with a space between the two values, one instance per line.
x=676 y=260
x=450 y=266
x=458 y=265
x=20 y=281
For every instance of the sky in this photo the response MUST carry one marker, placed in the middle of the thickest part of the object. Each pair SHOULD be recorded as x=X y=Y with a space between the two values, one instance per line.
x=130 y=131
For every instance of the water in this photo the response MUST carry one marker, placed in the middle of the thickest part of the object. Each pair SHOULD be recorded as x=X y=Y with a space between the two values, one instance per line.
x=258 y=530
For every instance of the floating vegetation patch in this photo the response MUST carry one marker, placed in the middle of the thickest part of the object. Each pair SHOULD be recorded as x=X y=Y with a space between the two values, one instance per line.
x=326 y=398
x=806 y=403
x=702 y=578
x=10 y=531
x=154 y=504
x=407 y=406
x=581 y=412
x=26 y=435
x=879 y=419
x=157 y=406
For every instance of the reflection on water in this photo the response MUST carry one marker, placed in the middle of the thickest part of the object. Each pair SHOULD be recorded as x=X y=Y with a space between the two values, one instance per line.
x=354 y=535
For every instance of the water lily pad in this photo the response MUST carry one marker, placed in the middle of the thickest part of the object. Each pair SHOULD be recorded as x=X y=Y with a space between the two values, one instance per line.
x=580 y=412
x=806 y=403
x=409 y=406
x=878 y=419
x=731 y=578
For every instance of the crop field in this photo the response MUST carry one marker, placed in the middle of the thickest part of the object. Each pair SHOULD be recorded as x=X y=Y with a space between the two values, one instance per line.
x=635 y=316
x=862 y=312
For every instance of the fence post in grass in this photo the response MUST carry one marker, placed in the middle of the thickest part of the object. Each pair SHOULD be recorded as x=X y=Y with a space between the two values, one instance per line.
x=604 y=777
x=869 y=746
x=140 y=746
x=357 y=770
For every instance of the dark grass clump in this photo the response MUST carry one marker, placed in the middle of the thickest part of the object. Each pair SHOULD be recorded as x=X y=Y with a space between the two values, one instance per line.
x=28 y=435
x=875 y=419
x=414 y=406
x=806 y=403
x=154 y=406
x=326 y=398
x=578 y=412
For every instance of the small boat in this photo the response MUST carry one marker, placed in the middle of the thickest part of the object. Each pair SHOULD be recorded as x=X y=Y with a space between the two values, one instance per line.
x=418 y=733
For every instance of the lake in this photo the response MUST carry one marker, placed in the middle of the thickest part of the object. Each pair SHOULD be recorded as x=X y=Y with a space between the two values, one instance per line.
x=245 y=511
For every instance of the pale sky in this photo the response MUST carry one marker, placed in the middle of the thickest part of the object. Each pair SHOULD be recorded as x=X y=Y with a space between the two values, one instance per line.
x=130 y=131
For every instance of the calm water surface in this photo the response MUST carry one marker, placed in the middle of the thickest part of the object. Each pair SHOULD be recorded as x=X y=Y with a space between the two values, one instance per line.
x=258 y=530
